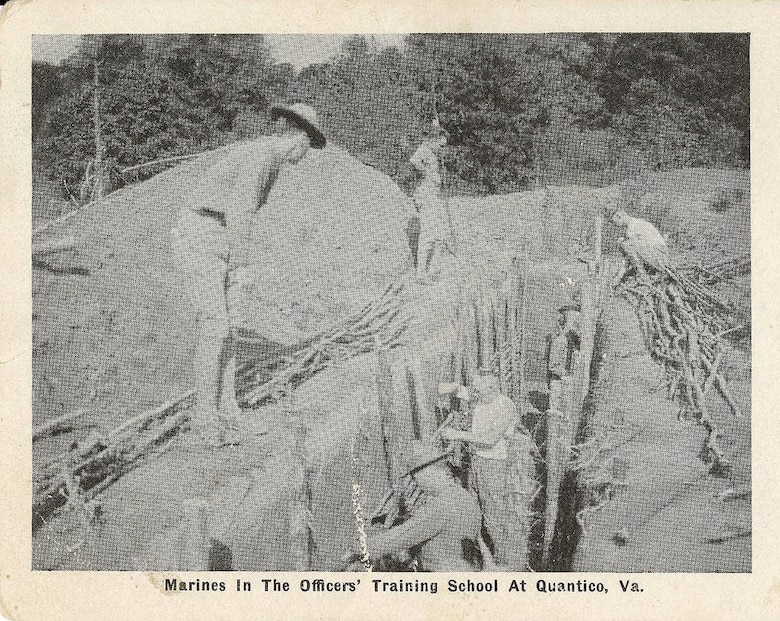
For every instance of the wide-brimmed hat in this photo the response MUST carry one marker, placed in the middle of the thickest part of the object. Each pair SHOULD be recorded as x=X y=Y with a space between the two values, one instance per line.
x=423 y=454
x=305 y=117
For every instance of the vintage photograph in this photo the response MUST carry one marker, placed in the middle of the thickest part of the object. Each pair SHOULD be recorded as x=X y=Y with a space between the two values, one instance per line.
x=394 y=302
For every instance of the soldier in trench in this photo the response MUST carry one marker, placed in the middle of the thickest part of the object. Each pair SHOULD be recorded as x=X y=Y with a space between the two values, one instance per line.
x=562 y=354
x=212 y=245
x=495 y=419
x=444 y=527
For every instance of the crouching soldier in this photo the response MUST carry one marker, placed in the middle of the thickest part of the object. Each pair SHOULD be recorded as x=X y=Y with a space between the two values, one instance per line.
x=644 y=248
x=444 y=524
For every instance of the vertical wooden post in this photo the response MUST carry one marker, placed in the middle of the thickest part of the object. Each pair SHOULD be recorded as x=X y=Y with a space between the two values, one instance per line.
x=460 y=346
x=421 y=401
x=513 y=336
x=471 y=360
x=300 y=534
x=588 y=328
x=597 y=238
x=194 y=539
x=521 y=487
x=523 y=312
x=384 y=388
x=486 y=340
x=502 y=343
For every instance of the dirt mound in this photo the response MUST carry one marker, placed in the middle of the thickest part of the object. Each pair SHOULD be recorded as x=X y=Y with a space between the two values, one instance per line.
x=120 y=337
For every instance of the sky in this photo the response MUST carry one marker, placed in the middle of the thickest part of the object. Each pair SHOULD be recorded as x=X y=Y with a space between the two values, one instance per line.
x=299 y=50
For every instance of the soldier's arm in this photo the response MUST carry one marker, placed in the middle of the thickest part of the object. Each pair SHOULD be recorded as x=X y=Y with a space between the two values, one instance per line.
x=424 y=524
x=250 y=197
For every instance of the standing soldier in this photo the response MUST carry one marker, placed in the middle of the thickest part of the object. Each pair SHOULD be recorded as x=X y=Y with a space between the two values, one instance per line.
x=212 y=241
x=562 y=352
x=494 y=420
x=434 y=220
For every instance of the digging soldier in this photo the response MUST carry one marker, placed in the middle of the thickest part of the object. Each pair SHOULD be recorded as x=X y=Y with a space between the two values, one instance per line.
x=432 y=207
x=444 y=526
x=495 y=419
x=212 y=242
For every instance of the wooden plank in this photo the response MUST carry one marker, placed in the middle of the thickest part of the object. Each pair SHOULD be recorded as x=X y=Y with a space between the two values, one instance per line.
x=554 y=478
x=587 y=334
x=521 y=489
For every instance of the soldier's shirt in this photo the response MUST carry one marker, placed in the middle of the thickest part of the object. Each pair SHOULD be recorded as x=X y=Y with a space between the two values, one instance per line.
x=241 y=181
x=498 y=416
x=425 y=160
x=642 y=233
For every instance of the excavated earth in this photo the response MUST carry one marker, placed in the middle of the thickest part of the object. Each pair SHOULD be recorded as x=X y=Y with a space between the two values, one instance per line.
x=120 y=340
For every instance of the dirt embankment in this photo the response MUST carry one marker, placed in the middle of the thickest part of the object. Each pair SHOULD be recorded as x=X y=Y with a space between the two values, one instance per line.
x=121 y=338
x=650 y=503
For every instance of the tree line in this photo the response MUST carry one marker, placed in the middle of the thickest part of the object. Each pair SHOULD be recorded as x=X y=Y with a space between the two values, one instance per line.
x=522 y=109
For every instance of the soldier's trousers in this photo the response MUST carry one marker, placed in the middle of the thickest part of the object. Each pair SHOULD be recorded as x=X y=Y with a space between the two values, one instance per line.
x=201 y=250
x=507 y=533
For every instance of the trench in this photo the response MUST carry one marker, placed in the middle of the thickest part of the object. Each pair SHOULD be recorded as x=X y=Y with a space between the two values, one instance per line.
x=409 y=411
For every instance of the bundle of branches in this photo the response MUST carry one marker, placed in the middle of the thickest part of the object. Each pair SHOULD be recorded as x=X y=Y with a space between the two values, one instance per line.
x=76 y=476
x=377 y=324
x=683 y=323
x=717 y=271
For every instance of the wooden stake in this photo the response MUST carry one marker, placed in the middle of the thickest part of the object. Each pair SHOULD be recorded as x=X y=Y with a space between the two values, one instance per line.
x=521 y=352
x=470 y=332
x=384 y=388
x=300 y=532
x=486 y=339
x=554 y=459
x=500 y=323
x=513 y=336
x=597 y=238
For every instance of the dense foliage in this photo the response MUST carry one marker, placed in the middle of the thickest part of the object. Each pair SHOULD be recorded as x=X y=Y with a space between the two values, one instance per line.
x=522 y=109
